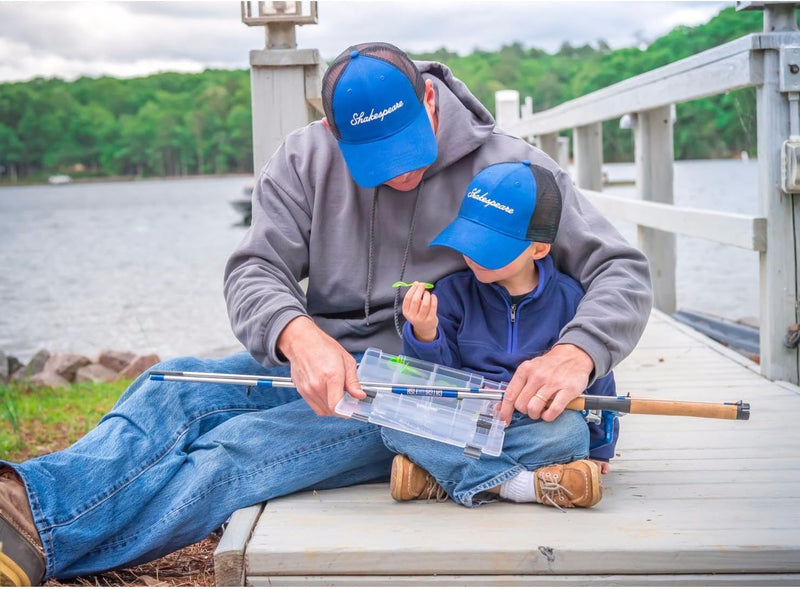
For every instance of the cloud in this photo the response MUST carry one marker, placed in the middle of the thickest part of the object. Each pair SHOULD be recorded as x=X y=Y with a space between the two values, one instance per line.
x=70 y=39
x=466 y=26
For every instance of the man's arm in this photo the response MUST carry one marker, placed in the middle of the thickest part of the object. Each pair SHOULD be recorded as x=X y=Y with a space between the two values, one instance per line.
x=609 y=320
x=267 y=306
x=262 y=276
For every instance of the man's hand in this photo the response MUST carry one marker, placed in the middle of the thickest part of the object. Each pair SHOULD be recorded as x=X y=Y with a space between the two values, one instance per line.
x=556 y=378
x=321 y=368
x=419 y=309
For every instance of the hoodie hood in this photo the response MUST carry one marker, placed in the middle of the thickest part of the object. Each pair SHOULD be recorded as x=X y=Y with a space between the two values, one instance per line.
x=464 y=123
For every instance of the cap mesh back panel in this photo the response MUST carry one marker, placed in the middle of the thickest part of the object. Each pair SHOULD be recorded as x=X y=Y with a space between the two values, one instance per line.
x=543 y=225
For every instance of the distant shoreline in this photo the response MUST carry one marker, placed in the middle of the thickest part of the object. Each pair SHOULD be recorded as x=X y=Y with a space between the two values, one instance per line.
x=132 y=178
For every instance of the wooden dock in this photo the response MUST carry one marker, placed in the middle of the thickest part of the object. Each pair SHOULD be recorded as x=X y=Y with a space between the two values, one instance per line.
x=688 y=501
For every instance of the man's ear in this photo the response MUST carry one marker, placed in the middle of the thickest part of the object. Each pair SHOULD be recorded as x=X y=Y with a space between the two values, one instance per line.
x=326 y=123
x=429 y=100
x=540 y=250
x=430 y=95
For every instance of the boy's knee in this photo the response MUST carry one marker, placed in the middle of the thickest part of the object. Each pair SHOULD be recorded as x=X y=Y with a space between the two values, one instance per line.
x=574 y=432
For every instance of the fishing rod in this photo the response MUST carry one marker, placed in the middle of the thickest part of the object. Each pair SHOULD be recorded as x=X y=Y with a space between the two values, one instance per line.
x=738 y=410
x=252 y=380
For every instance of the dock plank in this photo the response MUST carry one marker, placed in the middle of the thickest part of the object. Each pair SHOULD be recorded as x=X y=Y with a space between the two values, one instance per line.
x=687 y=501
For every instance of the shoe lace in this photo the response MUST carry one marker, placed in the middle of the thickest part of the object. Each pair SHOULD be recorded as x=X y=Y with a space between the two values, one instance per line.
x=435 y=491
x=551 y=488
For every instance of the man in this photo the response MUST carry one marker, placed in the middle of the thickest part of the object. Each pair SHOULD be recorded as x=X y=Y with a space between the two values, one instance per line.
x=350 y=203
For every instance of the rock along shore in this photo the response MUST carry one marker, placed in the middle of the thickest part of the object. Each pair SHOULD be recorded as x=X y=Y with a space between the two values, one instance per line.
x=60 y=369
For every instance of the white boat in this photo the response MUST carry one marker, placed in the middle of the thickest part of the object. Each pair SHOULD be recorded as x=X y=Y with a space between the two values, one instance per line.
x=59 y=179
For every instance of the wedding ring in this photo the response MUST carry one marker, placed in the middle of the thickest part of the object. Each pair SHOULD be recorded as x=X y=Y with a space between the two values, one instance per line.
x=542 y=398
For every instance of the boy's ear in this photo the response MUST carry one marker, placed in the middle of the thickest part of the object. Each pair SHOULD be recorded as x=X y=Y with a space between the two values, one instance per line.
x=540 y=250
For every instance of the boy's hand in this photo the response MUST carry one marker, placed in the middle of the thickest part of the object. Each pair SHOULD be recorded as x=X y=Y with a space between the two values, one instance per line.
x=419 y=309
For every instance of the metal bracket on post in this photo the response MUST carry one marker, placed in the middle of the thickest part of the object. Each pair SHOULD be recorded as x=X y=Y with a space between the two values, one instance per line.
x=789 y=62
x=789 y=83
x=790 y=166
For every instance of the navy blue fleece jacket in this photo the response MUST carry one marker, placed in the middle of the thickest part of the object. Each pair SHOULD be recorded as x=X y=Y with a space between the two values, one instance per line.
x=481 y=331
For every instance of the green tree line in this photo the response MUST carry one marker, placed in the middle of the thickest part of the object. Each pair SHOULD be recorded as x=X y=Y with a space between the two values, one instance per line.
x=161 y=125
x=179 y=124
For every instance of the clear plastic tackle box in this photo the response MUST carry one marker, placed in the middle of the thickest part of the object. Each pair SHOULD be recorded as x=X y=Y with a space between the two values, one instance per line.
x=472 y=424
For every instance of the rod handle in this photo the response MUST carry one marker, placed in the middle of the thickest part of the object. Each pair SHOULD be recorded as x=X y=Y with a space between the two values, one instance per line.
x=739 y=410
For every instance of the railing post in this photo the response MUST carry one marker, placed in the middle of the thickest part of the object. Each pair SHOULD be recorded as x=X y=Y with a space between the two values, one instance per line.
x=778 y=265
x=654 y=182
x=507 y=116
x=548 y=143
x=506 y=108
x=588 y=149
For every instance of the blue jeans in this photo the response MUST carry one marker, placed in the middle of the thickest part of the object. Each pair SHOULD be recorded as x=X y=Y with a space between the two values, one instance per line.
x=528 y=445
x=172 y=461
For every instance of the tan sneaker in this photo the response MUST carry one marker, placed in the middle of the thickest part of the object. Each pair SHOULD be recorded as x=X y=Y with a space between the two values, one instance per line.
x=21 y=557
x=576 y=484
x=409 y=482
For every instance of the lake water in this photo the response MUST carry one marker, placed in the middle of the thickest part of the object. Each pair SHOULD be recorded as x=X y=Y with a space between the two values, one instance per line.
x=138 y=265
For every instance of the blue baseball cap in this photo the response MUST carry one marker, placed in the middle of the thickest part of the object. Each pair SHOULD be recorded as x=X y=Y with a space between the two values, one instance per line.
x=373 y=95
x=506 y=207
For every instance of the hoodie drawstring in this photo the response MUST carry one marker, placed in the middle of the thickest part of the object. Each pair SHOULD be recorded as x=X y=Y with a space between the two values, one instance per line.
x=371 y=255
x=405 y=261
x=371 y=251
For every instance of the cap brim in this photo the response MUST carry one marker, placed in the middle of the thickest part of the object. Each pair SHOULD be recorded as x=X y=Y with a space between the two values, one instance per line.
x=490 y=249
x=375 y=162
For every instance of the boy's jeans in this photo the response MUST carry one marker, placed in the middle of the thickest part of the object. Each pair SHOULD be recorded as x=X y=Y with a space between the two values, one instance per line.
x=172 y=461
x=527 y=445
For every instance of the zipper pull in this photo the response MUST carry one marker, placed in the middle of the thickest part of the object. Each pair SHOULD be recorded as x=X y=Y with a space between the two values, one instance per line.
x=513 y=312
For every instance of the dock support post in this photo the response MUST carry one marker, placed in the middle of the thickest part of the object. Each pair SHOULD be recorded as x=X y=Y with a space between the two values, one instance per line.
x=654 y=182
x=285 y=82
x=778 y=265
x=588 y=149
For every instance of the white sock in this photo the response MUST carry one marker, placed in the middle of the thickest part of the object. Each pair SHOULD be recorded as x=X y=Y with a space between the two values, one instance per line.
x=520 y=489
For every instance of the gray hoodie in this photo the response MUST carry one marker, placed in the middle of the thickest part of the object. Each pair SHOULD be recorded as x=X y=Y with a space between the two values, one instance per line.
x=311 y=220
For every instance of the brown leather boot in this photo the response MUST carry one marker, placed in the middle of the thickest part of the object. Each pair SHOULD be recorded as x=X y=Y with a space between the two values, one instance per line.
x=22 y=561
x=409 y=482
x=576 y=484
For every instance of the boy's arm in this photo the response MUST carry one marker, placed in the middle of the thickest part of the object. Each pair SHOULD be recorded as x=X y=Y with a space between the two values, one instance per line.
x=444 y=348
x=436 y=351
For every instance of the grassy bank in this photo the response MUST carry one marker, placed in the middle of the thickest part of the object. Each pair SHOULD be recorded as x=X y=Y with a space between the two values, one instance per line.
x=38 y=420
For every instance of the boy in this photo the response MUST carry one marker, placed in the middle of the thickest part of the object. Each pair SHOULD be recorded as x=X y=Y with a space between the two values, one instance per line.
x=509 y=306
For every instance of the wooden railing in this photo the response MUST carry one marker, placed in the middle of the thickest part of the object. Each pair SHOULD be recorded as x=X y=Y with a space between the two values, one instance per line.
x=768 y=61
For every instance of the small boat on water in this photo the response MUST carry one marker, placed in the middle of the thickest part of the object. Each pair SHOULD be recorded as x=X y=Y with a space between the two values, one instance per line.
x=241 y=204
x=59 y=179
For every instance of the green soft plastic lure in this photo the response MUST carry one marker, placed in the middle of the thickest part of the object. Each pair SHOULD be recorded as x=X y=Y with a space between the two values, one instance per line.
x=428 y=285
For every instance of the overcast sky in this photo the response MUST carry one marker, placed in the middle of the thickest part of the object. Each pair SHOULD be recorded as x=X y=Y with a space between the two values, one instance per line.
x=71 y=39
